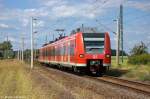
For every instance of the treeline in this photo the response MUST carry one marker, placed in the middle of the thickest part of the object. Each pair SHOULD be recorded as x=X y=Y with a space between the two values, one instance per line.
x=6 y=50
x=113 y=53
x=27 y=54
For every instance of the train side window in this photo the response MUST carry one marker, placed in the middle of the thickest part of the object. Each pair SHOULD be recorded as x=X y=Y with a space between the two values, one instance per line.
x=56 y=51
x=61 y=50
x=64 y=51
x=50 y=51
x=68 y=50
x=53 y=51
x=45 y=51
x=42 y=52
x=72 y=49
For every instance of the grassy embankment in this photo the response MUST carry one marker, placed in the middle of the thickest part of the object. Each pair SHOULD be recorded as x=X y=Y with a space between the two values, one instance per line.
x=16 y=81
x=136 y=72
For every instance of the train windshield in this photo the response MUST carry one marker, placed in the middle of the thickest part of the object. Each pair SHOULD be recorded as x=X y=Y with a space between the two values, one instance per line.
x=93 y=42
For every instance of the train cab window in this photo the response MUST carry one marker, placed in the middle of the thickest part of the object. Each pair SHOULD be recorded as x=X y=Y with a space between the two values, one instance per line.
x=93 y=42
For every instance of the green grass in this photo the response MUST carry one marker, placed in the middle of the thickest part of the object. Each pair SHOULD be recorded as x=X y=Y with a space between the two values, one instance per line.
x=16 y=81
x=136 y=72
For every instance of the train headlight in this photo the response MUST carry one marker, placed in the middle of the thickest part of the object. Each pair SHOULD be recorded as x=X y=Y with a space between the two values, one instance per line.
x=81 y=55
x=107 y=56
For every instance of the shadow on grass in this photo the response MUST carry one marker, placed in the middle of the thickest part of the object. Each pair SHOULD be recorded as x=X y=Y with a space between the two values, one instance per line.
x=116 y=72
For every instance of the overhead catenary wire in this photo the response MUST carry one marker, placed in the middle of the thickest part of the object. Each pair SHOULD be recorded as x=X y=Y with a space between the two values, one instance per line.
x=96 y=5
x=106 y=27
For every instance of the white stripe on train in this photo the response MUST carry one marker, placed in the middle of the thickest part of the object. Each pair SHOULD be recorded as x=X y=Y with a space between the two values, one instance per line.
x=67 y=64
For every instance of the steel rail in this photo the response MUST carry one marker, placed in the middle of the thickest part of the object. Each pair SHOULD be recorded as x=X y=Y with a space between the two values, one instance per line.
x=127 y=84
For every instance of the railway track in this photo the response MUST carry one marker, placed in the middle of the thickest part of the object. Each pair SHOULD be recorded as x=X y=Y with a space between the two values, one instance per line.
x=127 y=84
x=123 y=83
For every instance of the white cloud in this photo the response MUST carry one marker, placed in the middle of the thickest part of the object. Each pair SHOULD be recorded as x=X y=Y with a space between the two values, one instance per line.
x=39 y=23
x=51 y=3
x=64 y=11
x=24 y=15
x=87 y=9
x=35 y=12
x=148 y=36
x=74 y=11
x=5 y=26
x=145 y=6
x=25 y=21
x=12 y=39
x=28 y=13
x=54 y=9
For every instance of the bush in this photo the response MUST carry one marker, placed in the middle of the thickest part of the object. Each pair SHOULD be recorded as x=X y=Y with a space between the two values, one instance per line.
x=139 y=49
x=139 y=59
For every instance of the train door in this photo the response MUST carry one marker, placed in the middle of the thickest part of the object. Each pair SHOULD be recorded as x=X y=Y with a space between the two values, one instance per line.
x=46 y=54
x=72 y=51
x=68 y=52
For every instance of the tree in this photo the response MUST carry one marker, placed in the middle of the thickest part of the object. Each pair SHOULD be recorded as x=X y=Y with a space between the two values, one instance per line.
x=139 y=49
x=6 y=45
x=6 y=49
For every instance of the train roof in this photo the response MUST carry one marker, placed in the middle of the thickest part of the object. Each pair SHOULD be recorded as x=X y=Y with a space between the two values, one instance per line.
x=80 y=29
x=86 y=30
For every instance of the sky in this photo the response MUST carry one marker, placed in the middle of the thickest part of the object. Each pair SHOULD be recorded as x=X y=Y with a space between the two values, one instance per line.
x=15 y=19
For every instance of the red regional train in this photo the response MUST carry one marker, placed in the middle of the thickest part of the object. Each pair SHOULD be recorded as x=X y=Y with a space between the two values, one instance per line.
x=89 y=51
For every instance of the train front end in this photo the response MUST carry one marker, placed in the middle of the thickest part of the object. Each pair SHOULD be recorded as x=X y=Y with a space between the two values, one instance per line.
x=95 y=52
